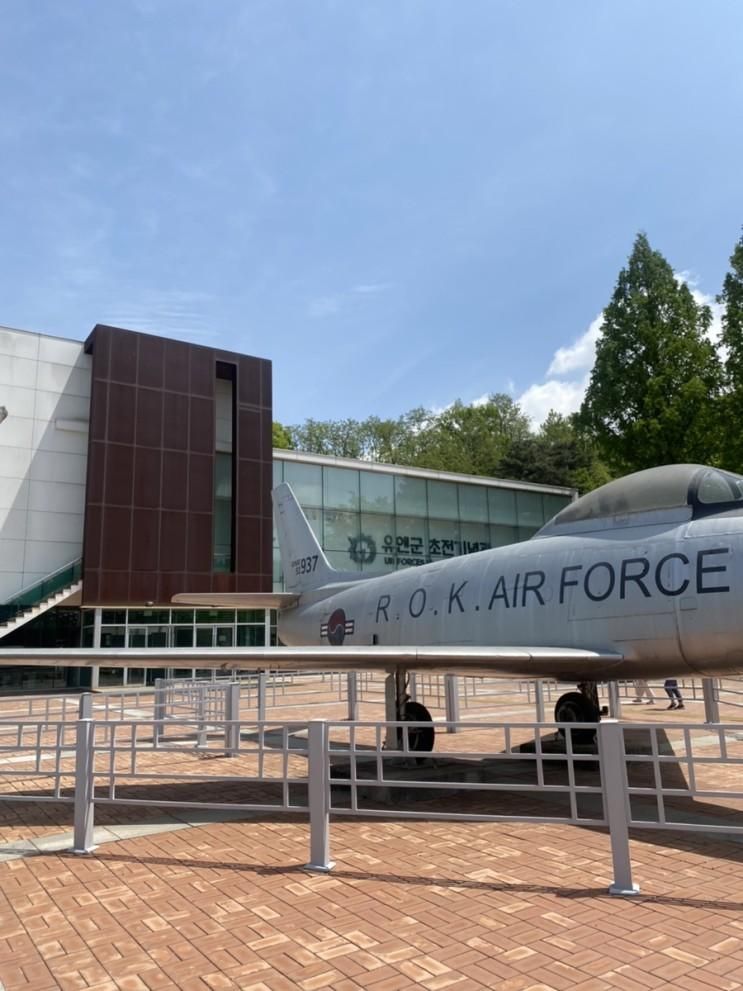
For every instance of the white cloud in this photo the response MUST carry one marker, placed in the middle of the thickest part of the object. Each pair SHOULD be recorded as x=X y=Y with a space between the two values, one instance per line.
x=563 y=397
x=579 y=355
x=562 y=391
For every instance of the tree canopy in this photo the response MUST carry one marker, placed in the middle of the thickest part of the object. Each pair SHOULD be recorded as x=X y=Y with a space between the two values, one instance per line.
x=653 y=391
x=731 y=299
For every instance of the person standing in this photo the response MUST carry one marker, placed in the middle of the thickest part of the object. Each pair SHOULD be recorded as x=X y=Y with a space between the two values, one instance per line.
x=642 y=690
x=672 y=691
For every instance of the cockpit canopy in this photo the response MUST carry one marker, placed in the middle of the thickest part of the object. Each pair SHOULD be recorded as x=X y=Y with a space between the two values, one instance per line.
x=703 y=490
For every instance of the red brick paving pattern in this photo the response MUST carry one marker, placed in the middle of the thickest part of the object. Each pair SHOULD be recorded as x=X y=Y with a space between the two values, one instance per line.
x=411 y=905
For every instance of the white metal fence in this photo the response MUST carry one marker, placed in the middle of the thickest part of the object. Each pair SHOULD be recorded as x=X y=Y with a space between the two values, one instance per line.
x=638 y=775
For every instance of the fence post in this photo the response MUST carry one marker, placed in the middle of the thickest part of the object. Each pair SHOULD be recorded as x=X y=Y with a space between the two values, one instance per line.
x=201 y=740
x=615 y=706
x=158 y=726
x=390 y=711
x=451 y=693
x=614 y=785
x=232 y=715
x=353 y=696
x=318 y=795
x=85 y=709
x=711 y=701
x=261 y=696
x=539 y=699
x=84 y=817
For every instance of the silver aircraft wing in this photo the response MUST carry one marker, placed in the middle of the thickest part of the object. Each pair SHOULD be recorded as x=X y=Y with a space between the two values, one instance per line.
x=570 y=664
x=236 y=600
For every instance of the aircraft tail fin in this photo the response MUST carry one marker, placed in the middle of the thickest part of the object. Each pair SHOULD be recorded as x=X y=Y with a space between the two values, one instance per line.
x=303 y=561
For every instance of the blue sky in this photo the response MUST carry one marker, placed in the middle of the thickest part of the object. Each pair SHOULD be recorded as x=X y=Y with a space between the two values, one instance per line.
x=399 y=202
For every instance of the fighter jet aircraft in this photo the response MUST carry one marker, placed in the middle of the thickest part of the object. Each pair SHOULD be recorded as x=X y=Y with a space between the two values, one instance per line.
x=641 y=578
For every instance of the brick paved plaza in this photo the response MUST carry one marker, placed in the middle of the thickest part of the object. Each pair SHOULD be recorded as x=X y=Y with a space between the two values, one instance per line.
x=507 y=906
x=408 y=905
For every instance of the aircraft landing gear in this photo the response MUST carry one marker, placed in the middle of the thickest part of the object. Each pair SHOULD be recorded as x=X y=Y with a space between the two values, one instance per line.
x=579 y=707
x=420 y=738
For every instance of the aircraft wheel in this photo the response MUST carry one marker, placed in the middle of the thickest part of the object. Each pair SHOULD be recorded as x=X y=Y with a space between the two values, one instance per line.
x=419 y=737
x=575 y=707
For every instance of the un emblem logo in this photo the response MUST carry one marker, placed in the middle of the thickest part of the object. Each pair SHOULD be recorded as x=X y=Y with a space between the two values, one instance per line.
x=363 y=549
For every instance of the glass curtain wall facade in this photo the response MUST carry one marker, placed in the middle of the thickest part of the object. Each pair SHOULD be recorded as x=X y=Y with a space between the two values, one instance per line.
x=367 y=520
x=175 y=628
x=378 y=521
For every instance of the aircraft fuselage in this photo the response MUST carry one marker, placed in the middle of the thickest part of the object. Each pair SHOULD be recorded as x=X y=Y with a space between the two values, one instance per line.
x=667 y=595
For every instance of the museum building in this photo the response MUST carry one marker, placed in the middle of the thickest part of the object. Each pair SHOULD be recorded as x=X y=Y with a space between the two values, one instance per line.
x=134 y=467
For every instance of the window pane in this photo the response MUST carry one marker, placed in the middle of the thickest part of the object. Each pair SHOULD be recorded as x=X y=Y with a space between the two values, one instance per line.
x=553 y=504
x=443 y=539
x=306 y=481
x=204 y=636
x=340 y=530
x=501 y=536
x=502 y=506
x=525 y=532
x=475 y=537
x=341 y=488
x=251 y=616
x=215 y=615
x=278 y=473
x=183 y=637
x=410 y=496
x=377 y=492
x=111 y=617
x=183 y=615
x=529 y=505
x=222 y=476
x=149 y=616
x=157 y=636
x=137 y=637
x=377 y=541
x=442 y=500
x=410 y=542
x=113 y=636
x=341 y=561
x=251 y=636
x=224 y=636
x=473 y=503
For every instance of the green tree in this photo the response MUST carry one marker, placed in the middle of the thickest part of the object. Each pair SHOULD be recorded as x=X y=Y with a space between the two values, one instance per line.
x=559 y=454
x=654 y=389
x=471 y=439
x=280 y=435
x=731 y=298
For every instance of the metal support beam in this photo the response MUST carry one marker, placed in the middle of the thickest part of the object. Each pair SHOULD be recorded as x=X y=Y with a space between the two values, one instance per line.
x=711 y=700
x=158 y=726
x=539 y=700
x=614 y=784
x=451 y=689
x=390 y=711
x=352 y=688
x=262 y=681
x=232 y=715
x=84 y=815
x=318 y=796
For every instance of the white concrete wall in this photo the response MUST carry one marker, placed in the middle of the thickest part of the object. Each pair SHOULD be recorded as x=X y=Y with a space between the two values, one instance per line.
x=45 y=386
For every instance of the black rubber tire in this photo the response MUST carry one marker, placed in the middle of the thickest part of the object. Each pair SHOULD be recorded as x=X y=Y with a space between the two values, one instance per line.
x=575 y=707
x=420 y=738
